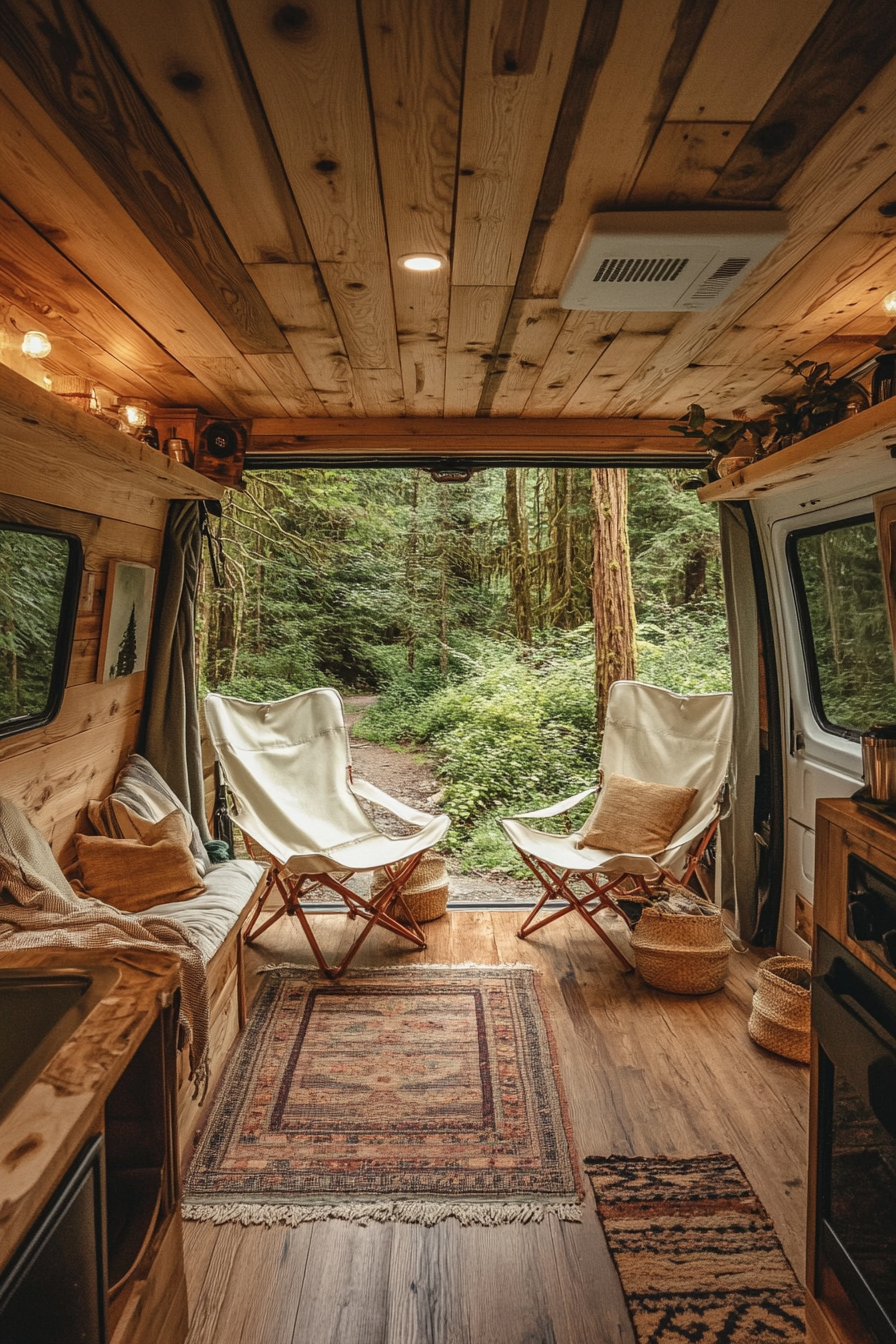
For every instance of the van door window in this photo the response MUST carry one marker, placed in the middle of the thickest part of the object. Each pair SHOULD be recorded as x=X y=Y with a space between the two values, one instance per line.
x=40 y=573
x=845 y=630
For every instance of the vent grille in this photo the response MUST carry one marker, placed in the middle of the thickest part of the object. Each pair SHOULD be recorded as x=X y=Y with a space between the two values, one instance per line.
x=714 y=284
x=632 y=269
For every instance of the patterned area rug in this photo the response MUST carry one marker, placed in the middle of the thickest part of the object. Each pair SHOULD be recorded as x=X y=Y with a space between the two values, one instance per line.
x=696 y=1252
x=406 y=1095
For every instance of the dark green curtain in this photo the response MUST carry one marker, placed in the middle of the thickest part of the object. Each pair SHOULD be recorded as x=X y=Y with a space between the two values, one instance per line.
x=737 y=841
x=170 y=737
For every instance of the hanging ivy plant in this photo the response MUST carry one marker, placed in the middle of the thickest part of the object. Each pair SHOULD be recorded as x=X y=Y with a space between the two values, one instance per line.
x=819 y=402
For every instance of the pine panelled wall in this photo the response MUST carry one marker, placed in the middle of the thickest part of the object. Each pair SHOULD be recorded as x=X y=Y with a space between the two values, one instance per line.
x=53 y=456
x=52 y=772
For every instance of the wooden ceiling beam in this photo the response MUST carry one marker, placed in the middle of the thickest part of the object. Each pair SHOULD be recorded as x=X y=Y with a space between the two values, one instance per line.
x=429 y=437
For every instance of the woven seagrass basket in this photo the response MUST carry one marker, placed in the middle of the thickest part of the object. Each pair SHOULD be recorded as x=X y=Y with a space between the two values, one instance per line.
x=426 y=891
x=779 y=1020
x=684 y=954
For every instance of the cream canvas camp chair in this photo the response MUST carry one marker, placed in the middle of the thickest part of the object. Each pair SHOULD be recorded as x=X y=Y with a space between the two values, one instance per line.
x=288 y=766
x=653 y=735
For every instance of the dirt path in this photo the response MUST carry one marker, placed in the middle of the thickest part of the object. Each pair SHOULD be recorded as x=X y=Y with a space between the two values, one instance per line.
x=407 y=776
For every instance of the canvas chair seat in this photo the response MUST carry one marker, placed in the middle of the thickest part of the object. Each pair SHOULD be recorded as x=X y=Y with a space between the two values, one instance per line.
x=287 y=764
x=656 y=736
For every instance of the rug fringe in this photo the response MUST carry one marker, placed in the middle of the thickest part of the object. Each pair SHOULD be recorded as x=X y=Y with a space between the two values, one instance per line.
x=425 y=1212
x=289 y=966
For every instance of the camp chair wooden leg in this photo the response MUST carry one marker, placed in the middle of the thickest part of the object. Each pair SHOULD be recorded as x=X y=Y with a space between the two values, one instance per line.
x=549 y=881
x=378 y=912
x=290 y=889
x=259 y=906
x=694 y=859
x=588 y=916
x=557 y=885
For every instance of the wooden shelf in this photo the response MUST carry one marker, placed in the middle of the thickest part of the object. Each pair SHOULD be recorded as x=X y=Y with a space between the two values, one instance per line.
x=869 y=432
x=51 y=452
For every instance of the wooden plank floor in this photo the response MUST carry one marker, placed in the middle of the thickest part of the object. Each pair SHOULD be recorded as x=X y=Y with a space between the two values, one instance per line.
x=644 y=1073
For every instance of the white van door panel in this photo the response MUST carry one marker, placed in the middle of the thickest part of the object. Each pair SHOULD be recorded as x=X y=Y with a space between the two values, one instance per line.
x=819 y=762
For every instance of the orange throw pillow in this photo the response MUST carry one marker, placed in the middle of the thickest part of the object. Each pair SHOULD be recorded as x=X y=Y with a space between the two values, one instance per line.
x=134 y=874
x=634 y=817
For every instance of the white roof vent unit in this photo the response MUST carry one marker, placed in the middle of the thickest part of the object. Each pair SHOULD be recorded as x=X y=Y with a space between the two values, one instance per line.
x=675 y=261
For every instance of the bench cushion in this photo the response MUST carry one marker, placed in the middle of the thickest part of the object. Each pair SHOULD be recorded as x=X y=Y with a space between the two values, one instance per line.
x=210 y=917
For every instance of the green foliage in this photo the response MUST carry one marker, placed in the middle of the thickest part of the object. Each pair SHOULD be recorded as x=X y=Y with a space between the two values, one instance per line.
x=685 y=649
x=674 y=543
x=841 y=577
x=513 y=729
x=723 y=436
x=32 y=581
x=385 y=580
x=820 y=401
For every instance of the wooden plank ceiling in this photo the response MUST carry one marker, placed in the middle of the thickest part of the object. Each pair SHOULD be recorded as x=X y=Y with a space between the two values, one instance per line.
x=204 y=202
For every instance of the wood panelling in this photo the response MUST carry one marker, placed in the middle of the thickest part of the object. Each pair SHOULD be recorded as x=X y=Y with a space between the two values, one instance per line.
x=851 y=163
x=52 y=185
x=212 y=204
x=767 y=37
x=686 y=159
x=58 y=51
x=55 y=454
x=53 y=771
x=851 y=43
x=414 y=55
x=298 y=300
x=309 y=70
x=194 y=74
x=31 y=269
x=509 y=115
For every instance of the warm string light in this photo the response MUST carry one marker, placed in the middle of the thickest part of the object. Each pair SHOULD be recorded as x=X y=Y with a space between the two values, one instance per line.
x=36 y=344
x=133 y=415
x=889 y=303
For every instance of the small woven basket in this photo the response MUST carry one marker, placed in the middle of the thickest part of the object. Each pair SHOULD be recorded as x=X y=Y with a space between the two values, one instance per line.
x=684 y=954
x=780 y=1017
x=426 y=891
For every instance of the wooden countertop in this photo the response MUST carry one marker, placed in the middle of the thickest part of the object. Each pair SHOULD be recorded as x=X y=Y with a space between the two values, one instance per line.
x=866 y=826
x=46 y=1128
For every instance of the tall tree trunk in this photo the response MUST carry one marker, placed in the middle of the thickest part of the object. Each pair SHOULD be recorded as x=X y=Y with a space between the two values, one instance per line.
x=611 y=585
x=411 y=570
x=443 y=585
x=518 y=551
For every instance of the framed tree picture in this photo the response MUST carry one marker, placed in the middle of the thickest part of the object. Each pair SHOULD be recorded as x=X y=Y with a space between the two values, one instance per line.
x=127 y=617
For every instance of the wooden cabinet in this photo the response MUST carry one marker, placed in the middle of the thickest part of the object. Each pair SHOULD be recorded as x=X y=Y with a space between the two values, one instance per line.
x=114 y=1076
x=848 y=840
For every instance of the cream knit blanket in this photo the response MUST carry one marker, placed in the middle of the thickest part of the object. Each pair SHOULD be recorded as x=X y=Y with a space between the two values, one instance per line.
x=39 y=908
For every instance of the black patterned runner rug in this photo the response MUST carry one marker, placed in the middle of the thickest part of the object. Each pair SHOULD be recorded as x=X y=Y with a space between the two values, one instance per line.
x=697 y=1254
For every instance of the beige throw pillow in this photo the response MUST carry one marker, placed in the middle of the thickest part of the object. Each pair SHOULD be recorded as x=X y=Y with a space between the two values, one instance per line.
x=151 y=867
x=634 y=817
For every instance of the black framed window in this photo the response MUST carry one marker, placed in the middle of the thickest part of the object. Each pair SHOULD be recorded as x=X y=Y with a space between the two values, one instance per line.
x=842 y=608
x=40 y=577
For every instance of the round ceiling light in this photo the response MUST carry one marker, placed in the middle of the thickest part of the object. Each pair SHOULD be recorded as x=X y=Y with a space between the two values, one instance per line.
x=421 y=261
x=889 y=303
